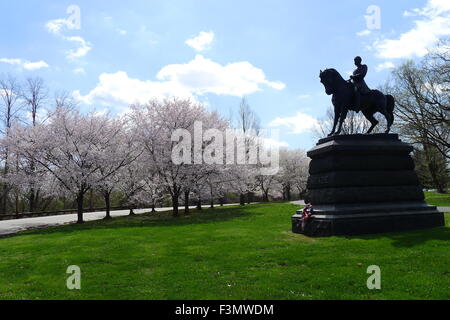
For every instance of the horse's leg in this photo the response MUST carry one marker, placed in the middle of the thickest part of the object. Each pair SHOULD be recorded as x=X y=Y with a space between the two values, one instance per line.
x=389 y=120
x=342 y=119
x=389 y=112
x=386 y=114
x=390 y=105
x=382 y=106
x=336 y=118
x=369 y=116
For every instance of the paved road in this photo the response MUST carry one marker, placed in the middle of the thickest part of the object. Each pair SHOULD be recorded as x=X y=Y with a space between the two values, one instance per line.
x=17 y=225
x=299 y=202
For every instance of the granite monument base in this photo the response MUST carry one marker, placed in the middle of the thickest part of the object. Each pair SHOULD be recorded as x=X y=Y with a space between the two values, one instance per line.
x=360 y=184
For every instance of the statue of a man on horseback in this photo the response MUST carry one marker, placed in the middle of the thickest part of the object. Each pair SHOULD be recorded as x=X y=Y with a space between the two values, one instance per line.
x=358 y=81
x=355 y=95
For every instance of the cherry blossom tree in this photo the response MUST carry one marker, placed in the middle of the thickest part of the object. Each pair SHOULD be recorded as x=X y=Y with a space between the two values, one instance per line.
x=73 y=147
x=293 y=171
x=10 y=92
x=131 y=183
x=32 y=184
x=156 y=123
x=120 y=152
x=247 y=130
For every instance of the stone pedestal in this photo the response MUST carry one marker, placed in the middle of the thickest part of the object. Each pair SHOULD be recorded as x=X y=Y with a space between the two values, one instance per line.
x=362 y=184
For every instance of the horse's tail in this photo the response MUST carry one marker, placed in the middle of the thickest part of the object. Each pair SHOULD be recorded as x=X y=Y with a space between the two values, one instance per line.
x=390 y=105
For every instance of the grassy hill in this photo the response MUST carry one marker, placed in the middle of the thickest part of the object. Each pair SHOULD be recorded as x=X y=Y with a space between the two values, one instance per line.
x=438 y=199
x=223 y=253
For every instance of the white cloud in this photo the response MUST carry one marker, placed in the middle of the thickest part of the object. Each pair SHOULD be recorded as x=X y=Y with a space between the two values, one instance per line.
x=197 y=77
x=35 y=65
x=202 y=41
x=24 y=64
x=119 y=90
x=100 y=113
x=363 y=33
x=304 y=96
x=11 y=61
x=274 y=143
x=79 y=71
x=202 y=75
x=57 y=27
x=83 y=47
x=41 y=115
x=432 y=8
x=433 y=22
x=299 y=123
x=122 y=32
x=385 y=66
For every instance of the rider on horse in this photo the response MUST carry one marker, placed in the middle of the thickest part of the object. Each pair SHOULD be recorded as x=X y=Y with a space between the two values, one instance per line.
x=347 y=96
x=358 y=81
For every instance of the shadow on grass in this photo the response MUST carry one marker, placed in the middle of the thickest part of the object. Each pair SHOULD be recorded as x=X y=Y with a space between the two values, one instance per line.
x=408 y=239
x=159 y=219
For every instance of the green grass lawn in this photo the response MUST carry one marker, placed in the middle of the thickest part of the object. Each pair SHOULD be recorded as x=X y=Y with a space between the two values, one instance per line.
x=223 y=253
x=437 y=199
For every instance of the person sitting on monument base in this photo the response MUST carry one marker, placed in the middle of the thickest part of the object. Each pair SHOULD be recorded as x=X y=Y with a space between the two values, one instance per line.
x=357 y=78
x=307 y=214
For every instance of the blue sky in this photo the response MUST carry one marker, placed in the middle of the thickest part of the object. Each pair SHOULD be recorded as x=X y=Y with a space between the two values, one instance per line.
x=271 y=51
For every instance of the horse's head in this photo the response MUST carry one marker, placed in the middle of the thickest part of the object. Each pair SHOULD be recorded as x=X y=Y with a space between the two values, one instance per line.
x=329 y=78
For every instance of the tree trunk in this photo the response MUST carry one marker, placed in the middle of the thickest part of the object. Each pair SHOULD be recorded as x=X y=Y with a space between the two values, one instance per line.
x=31 y=204
x=33 y=198
x=131 y=210
x=266 y=195
x=17 y=204
x=301 y=193
x=16 y=193
x=107 y=203
x=153 y=206
x=288 y=193
x=242 y=199
x=45 y=204
x=91 y=200
x=199 y=204
x=175 y=205
x=221 y=201
x=186 y=202
x=5 y=186
x=80 y=201
x=211 y=197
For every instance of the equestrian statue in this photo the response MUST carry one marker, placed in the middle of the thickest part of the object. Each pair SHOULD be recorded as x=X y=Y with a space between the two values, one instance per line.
x=354 y=94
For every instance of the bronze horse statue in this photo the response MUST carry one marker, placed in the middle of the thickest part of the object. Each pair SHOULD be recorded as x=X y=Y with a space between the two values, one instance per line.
x=344 y=99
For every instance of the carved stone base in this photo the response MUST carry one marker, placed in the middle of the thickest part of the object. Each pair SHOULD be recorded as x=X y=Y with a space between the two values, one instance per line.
x=361 y=184
x=368 y=218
